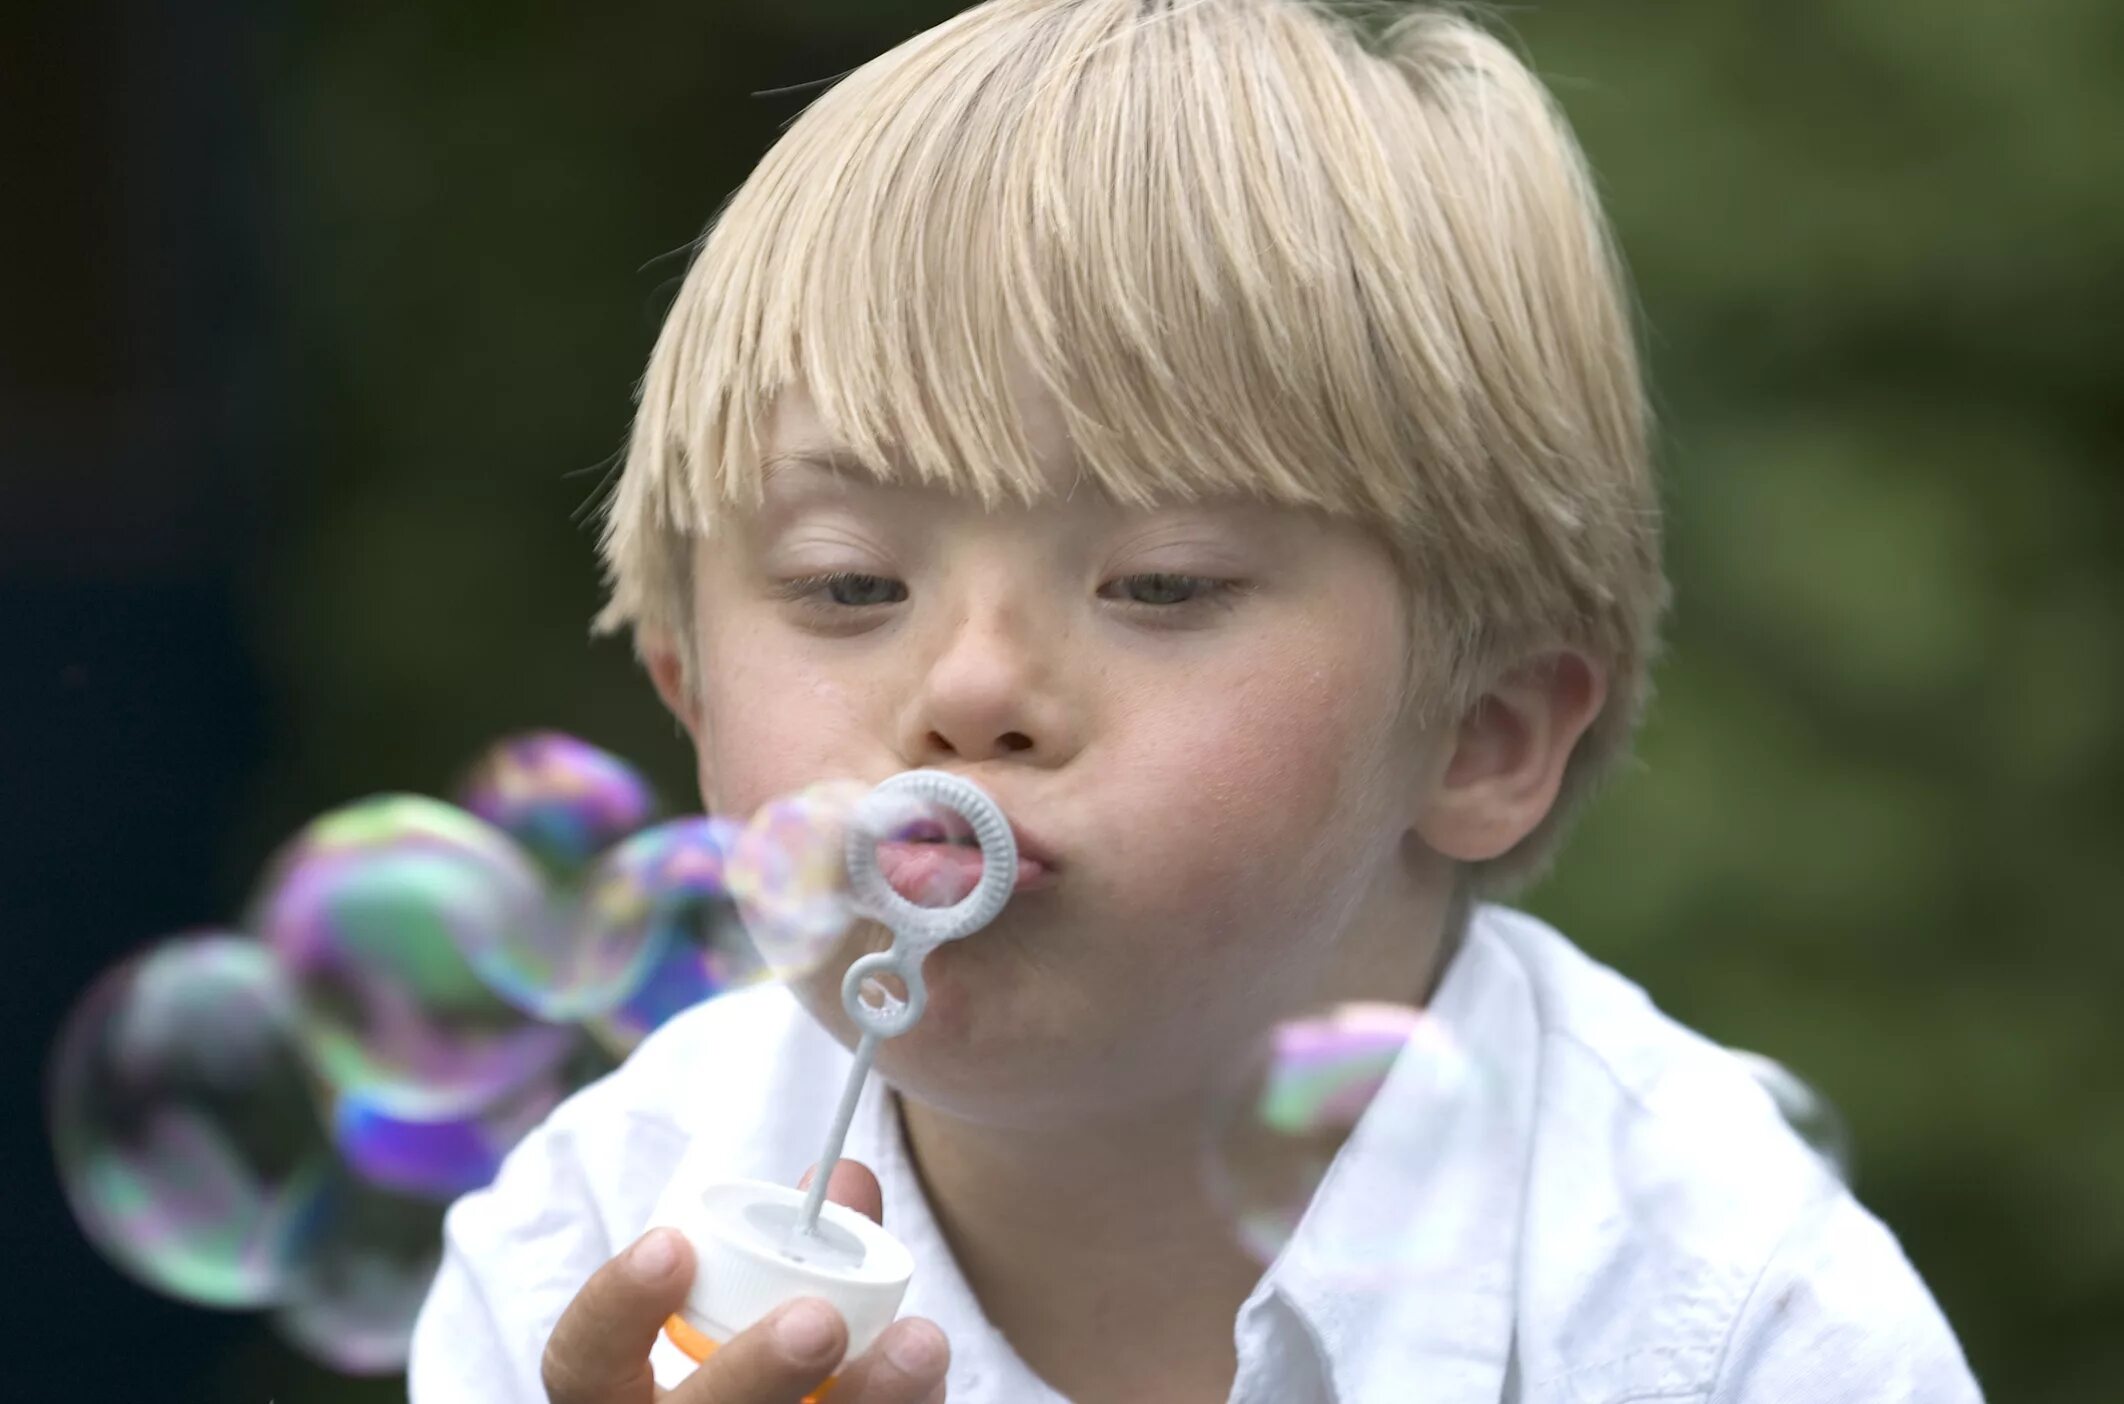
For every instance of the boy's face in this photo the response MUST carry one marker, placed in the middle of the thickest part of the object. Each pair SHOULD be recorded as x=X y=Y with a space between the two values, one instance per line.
x=1191 y=713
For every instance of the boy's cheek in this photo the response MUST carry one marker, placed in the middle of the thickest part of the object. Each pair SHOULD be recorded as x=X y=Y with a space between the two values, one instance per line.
x=1255 y=794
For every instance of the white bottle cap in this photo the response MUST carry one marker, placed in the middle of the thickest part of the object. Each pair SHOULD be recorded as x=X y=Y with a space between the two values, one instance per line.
x=748 y=1260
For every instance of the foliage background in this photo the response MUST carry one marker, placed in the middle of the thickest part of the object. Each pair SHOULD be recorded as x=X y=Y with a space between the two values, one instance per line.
x=330 y=319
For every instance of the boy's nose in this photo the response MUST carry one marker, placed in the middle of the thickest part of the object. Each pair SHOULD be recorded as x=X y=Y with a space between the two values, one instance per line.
x=986 y=697
x=973 y=747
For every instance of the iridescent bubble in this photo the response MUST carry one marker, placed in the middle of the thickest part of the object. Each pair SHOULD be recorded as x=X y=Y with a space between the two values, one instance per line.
x=440 y=1159
x=598 y=943
x=371 y=910
x=563 y=799
x=788 y=872
x=1275 y=1138
x=663 y=893
x=1813 y=1117
x=367 y=1262
x=788 y=868
x=183 y=1120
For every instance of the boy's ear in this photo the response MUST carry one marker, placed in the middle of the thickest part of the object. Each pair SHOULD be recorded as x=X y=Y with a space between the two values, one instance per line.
x=668 y=671
x=1506 y=762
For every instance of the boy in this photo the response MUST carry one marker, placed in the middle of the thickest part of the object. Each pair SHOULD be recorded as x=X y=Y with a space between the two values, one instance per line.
x=1212 y=426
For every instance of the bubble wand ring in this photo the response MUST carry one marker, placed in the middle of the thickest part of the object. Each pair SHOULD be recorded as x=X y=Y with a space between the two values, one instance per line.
x=916 y=931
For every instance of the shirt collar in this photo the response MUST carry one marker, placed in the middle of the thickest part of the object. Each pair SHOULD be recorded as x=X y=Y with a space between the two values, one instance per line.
x=1405 y=1264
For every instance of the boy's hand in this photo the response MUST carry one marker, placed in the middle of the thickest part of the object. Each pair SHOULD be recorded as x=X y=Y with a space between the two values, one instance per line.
x=599 y=1350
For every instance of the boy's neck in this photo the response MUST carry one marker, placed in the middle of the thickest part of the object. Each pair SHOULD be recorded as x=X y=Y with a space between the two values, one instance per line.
x=1098 y=1255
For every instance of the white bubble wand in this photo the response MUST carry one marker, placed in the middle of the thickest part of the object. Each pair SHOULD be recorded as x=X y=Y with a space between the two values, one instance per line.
x=758 y=1244
x=916 y=931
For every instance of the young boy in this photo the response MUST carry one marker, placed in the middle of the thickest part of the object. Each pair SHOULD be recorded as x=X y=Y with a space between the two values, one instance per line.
x=1212 y=426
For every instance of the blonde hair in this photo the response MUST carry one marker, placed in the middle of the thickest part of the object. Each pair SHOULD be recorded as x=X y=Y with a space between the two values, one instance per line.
x=1342 y=257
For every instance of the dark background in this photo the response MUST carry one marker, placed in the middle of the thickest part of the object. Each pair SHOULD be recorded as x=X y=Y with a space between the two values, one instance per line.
x=320 y=327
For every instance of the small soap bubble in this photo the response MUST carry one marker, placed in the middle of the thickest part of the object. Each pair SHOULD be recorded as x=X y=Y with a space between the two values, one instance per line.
x=372 y=910
x=564 y=800
x=184 y=1123
x=1813 y=1117
x=662 y=896
x=788 y=873
x=367 y=1262
x=1310 y=1085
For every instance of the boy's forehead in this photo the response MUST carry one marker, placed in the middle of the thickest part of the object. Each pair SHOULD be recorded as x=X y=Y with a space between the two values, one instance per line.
x=830 y=469
x=801 y=450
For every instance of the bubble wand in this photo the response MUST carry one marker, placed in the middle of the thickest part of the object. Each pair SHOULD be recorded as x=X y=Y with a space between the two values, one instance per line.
x=756 y=1244
x=916 y=931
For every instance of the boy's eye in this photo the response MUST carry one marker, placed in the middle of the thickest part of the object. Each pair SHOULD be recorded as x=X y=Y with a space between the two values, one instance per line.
x=847 y=589
x=1162 y=589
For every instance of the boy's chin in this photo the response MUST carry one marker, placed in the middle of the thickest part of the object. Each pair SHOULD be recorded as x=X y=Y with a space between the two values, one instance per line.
x=988 y=1027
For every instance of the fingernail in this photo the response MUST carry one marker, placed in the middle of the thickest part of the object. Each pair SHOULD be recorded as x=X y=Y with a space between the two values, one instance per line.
x=805 y=1330
x=653 y=1257
x=914 y=1351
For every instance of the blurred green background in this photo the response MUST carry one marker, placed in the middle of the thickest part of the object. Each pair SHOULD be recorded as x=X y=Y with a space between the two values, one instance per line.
x=1879 y=246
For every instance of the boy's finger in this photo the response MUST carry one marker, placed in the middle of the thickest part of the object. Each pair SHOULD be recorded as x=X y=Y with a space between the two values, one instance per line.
x=599 y=1350
x=906 y=1366
x=852 y=1184
x=778 y=1361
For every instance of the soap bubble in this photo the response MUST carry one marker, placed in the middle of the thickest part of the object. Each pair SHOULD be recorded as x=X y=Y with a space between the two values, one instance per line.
x=1811 y=1115
x=442 y=1158
x=598 y=944
x=788 y=868
x=563 y=799
x=682 y=975
x=372 y=909
x=788 y=873
x=1309 y=1086
x=662 y=893
x=368 y=1260
x=438 y=1160
x=183 y=1120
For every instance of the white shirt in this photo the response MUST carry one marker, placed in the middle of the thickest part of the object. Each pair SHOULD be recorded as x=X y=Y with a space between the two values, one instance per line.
x=1594 y=1205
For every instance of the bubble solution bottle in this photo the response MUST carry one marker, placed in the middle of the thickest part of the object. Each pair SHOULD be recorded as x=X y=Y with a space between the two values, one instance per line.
x=757 y=1245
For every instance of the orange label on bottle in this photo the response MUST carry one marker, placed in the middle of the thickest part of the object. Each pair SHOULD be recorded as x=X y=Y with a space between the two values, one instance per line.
x=697 y=1348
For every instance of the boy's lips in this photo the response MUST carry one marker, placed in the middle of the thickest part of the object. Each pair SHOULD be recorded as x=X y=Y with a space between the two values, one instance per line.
x=938 y=873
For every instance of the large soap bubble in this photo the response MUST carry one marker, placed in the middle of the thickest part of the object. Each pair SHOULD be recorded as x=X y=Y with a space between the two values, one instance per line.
x=441 y=1158
x=368 y=1260
x=183 y=1120
x=563 y=799
x=1811 y=1115
x=1313 y=1080
x=600 y=942
x=371 y=909
x=662 y=894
